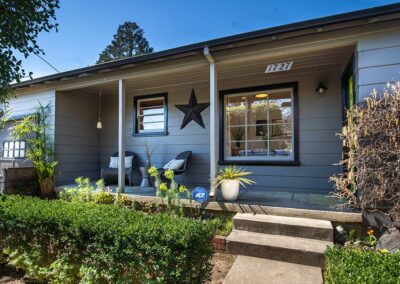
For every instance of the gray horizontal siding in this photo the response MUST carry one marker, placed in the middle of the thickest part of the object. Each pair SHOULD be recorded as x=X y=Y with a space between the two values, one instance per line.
x=77 y=141
x=377 y=62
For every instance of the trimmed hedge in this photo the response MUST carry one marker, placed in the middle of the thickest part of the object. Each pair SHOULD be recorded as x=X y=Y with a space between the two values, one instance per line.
x=357 y=265
x=64 y=242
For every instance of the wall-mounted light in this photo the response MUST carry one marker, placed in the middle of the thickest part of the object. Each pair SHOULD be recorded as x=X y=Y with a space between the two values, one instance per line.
x=99 y=124
x=321 y=88
x=261 y=96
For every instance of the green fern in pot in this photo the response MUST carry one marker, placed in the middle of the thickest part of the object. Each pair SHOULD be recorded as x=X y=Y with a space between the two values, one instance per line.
x=230 y=179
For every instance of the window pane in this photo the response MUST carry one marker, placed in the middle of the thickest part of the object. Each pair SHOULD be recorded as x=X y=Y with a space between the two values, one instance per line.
x=5 y=153
x=279 y=131
x=22 y=154
x=258 y=125
x=150 y=115
x=16 y=145
x=281 y=148
x=5 y=145
x=10 y=153
x=236 y=133
x=22 y=145
x=236 y=148
x=11 y=145
x=235 y=118
x=16 y=153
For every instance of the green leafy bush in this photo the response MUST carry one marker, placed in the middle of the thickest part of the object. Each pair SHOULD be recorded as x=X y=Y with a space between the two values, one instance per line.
x=357 y=265
x=84 y=191
x=73 y=242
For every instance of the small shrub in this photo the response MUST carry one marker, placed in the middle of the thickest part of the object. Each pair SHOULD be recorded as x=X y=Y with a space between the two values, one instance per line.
x=225 y=227
x=74 y=242
x=357 y=265
x=170 y=194
x=84 y=191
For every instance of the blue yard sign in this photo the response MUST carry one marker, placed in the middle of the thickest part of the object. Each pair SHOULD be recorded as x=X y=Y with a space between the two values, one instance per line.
x=200 y=194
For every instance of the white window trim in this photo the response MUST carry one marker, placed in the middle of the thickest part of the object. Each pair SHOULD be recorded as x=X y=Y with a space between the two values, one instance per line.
x=289 y=158
x=14 y=149
x=151 y=131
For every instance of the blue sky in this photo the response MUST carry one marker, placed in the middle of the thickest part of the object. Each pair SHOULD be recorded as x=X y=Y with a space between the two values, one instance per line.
x=86 y=27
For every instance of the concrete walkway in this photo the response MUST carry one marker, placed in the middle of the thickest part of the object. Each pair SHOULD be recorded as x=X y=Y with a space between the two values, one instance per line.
x=247 y=269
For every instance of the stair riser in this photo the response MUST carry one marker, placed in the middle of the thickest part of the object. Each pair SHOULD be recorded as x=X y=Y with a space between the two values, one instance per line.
x=284 y=229
x=276 y=253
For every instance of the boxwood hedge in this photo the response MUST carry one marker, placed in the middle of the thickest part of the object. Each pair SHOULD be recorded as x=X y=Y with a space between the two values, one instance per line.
x=357 y=265
x=62 y=242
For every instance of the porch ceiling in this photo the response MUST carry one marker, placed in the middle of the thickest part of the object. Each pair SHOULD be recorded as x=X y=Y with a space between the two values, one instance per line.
x=328 y=59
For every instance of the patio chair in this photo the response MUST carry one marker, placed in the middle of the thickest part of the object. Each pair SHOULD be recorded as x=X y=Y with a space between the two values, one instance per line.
x=182 y=156
x=110 y=175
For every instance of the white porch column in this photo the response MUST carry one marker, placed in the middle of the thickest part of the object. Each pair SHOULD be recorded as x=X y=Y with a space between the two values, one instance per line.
x=213 y=119
x=121 y=135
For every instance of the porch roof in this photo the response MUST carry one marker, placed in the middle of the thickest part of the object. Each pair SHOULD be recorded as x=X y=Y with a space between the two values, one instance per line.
x=220 y=43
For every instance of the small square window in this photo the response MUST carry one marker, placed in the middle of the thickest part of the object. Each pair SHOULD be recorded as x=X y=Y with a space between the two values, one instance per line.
x=14 y=149
x=150 y=114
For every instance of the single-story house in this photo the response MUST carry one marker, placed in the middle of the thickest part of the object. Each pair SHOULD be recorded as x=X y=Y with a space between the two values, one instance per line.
x=271 y=101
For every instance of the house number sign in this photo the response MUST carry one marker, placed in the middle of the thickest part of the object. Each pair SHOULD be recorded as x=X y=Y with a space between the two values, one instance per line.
x=279 y=67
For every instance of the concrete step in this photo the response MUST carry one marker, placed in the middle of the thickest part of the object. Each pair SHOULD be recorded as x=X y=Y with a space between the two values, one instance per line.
x=246 y=270
x=286 y=226
x=276 y=247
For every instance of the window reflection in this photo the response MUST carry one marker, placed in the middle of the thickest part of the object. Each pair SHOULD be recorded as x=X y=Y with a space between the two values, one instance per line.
x=258 y=125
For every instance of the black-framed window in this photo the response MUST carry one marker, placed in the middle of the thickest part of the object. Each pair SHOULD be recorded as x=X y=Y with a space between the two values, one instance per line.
x=348 y=88
x=151 y=114
x=14 y=149
x=259 y=125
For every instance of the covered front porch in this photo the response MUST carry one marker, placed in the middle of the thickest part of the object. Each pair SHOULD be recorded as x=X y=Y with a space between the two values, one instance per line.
x=308 y=135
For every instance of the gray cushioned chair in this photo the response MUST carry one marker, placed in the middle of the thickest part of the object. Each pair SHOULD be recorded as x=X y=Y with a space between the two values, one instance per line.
x=182 y=156
x=110 y=175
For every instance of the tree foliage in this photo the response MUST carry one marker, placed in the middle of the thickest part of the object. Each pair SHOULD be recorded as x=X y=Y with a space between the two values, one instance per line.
x=127 y=42
x=20 y=24
x=372 y=137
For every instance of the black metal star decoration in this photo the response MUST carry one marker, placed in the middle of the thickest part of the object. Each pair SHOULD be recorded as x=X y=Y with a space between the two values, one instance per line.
x=192 y=111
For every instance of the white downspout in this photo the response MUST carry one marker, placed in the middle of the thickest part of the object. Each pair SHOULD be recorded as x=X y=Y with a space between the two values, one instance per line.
x=213 y=119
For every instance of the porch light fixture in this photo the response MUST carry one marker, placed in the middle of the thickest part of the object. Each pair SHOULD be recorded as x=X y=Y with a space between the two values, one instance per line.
x=321 y=88
x=99 y=124
x=261 y=96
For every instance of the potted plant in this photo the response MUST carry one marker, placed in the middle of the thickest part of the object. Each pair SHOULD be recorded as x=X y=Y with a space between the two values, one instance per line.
x=230 y=178
x=149 y=153
x=32 y=129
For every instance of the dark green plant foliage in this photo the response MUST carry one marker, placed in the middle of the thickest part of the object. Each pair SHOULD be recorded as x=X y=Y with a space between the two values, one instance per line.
x=63 y=242
x=357 y=265
x=20 y=24
x=127 y=42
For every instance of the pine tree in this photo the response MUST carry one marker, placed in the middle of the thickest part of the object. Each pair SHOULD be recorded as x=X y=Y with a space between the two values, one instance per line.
x=127 y=42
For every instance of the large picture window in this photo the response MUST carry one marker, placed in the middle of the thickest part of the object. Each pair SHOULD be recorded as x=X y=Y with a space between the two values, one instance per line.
x=260 y=124
x=151 y=115
x=14 y=149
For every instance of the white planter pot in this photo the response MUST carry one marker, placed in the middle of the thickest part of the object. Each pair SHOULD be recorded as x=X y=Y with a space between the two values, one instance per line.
x=230 y=189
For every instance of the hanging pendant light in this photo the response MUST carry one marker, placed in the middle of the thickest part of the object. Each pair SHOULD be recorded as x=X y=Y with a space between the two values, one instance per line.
x=99 y=124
